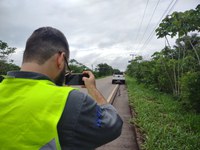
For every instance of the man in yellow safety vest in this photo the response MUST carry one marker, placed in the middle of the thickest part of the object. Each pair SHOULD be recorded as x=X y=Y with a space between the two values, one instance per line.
x=38 y=112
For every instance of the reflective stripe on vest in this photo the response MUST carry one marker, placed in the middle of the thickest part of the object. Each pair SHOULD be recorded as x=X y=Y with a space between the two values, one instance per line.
x=29 y=113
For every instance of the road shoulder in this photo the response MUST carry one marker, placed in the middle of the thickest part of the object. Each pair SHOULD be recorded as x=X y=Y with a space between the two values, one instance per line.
x=127 y=139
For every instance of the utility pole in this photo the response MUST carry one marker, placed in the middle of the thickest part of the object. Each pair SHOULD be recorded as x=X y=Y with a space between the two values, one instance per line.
x=132 y=55
x=92 y=67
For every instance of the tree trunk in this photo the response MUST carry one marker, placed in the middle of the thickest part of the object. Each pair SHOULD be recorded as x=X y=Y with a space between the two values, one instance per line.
x=195 y=51
x=171 y=83
x=175 y=89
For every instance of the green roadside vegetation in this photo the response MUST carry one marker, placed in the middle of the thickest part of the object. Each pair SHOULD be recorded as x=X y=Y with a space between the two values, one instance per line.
x=164 y=124
x=164 y=91
x=175 y=69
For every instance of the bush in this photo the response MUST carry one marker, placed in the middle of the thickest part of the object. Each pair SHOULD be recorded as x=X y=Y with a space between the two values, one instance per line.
x=190 y=85
x=5 y=67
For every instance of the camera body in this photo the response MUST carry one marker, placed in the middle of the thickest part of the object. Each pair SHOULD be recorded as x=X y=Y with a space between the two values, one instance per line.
x=75 y=79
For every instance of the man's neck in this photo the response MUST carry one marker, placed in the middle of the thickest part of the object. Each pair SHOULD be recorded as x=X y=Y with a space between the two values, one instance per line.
x=34 y=67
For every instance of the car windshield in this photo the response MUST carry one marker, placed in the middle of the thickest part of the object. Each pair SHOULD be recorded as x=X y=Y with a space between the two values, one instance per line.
x=119 y=73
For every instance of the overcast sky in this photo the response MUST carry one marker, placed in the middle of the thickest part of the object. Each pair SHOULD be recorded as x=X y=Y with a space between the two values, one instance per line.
x=98 y=31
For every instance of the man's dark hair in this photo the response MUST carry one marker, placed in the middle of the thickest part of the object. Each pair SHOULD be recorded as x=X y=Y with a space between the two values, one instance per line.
x=43 y=44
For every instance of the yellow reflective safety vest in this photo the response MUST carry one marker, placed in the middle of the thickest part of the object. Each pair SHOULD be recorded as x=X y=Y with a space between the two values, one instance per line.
x=29 y=113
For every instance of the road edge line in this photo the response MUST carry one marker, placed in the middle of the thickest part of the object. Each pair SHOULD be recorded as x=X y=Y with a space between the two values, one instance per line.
x=113 y=94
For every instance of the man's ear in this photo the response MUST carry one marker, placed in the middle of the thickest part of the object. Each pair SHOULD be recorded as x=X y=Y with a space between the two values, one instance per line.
x=60 y=60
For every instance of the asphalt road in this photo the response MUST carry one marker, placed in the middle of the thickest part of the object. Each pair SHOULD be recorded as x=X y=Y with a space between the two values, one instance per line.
x=104 y=85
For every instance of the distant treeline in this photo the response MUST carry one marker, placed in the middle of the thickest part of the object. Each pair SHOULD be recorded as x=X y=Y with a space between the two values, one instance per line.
x=101 y=70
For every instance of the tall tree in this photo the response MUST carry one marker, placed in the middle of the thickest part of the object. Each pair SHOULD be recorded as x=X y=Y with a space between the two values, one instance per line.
x=180 y=23
x=5 y=51
x=77 y=67
x=104 y=69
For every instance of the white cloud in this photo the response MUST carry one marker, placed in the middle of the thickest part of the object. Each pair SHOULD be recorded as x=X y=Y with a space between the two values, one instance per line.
x=98 y=31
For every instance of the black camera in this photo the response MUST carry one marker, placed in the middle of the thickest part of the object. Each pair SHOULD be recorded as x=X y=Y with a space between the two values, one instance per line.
x=75 y=79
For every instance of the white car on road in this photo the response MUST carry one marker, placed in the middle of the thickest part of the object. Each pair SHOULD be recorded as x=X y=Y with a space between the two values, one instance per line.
x=118 y=77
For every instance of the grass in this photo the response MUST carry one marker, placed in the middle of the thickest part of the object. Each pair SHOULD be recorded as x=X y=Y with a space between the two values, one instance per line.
x=162 y=121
